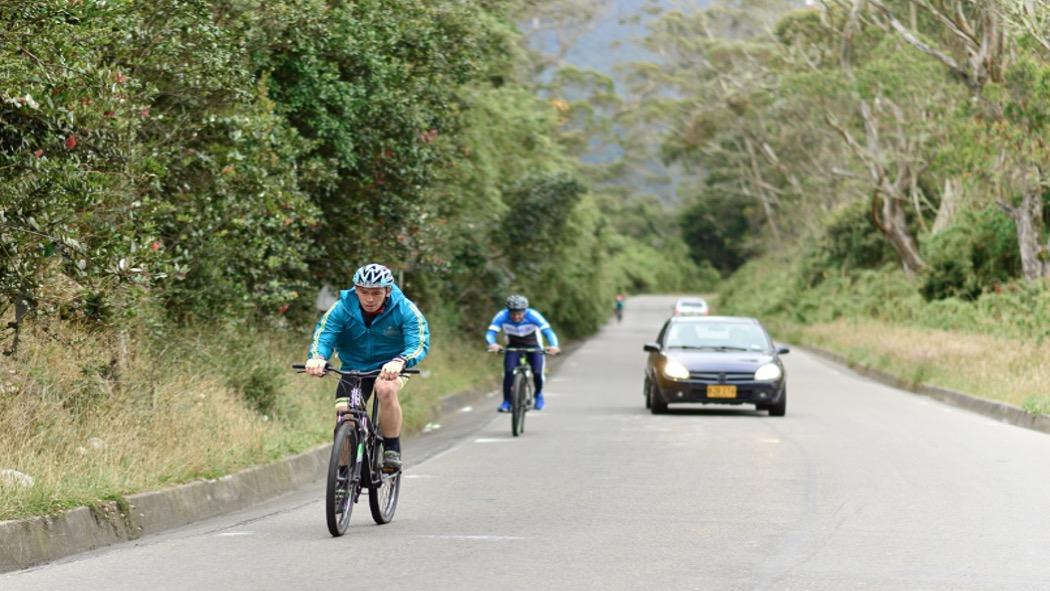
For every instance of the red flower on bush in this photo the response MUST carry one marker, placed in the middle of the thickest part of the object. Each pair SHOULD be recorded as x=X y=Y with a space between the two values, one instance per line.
x=71 y=142
x=282 y=309
x=155 y=246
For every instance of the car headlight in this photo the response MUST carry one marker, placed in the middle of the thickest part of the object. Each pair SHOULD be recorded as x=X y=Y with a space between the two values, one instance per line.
x=675 y=370
x=768 y=373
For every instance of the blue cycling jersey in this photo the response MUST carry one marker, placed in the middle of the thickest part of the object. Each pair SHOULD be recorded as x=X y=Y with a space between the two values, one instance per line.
x=522 y=334
x=400 y=330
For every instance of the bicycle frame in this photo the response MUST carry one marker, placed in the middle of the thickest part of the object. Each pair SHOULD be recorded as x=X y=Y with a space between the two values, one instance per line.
x=357 y=434
x=369 y=438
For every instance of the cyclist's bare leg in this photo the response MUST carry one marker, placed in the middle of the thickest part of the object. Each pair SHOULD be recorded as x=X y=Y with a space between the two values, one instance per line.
x=389 y=407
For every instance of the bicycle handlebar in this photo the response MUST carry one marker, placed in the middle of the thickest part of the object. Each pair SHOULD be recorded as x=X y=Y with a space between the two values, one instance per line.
x=354 y=373
x=522 y=349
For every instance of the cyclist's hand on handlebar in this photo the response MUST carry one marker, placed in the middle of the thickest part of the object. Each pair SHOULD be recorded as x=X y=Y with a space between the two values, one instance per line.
x=553 y=350
x=495 y=348
x=315 y=366
x=392 y=369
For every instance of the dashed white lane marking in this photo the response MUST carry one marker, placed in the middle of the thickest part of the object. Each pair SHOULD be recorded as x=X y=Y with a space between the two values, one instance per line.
x=476 y=538
x=234 y=533
x=419 y=475
x=466 y=409
x=769 y=440
x=491 y=440
x=431 y=427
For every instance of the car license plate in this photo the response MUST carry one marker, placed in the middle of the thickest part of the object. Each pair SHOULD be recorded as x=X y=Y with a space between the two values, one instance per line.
x=719 y=391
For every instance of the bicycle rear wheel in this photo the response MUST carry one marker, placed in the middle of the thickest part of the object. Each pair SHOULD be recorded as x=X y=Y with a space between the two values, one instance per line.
x=382 y=499
x=344 y=479
x=517 y=401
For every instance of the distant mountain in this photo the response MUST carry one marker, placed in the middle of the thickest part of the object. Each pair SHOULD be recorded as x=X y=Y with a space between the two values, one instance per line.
x=612 y=38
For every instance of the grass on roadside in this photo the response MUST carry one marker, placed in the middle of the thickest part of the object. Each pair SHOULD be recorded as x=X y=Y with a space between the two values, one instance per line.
x=186 y=406
x=996 y=368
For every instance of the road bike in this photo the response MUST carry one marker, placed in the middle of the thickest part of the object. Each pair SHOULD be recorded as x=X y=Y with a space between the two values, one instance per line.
x=356 y=462
x=521 y=390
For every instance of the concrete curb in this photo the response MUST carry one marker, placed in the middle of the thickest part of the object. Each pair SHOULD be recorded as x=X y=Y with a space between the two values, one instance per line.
x=36 y=540
x=997 y=410
x=29 y=542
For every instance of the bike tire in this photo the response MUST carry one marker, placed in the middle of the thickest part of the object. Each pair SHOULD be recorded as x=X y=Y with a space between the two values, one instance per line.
x=342 y=491
x=518 y=395
x=382 y=499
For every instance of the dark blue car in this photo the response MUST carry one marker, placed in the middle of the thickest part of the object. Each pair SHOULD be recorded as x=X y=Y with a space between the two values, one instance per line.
x=715 y=360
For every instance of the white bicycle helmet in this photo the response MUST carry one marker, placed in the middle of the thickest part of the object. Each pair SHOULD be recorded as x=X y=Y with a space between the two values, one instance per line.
x=517 y=303
x=373 y=275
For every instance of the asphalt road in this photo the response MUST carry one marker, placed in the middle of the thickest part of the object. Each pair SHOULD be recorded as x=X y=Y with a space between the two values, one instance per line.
x=860 y=486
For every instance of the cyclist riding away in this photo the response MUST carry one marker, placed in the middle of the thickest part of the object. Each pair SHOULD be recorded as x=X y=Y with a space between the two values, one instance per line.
x=523 y=327
x=620 y=301
x=373 y=326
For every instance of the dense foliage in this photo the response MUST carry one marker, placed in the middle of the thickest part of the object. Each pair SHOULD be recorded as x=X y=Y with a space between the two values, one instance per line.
x=223 y=159
x=846 y=139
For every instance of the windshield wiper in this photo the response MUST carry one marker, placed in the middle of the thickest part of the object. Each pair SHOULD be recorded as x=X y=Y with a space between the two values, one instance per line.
x=694 y=347
x=729 y=348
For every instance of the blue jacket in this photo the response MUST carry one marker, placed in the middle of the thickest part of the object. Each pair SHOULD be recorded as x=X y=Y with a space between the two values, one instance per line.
x=521 y=334
x=400 y=330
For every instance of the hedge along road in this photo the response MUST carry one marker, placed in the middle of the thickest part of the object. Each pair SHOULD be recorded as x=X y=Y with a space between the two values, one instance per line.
x=859 y=486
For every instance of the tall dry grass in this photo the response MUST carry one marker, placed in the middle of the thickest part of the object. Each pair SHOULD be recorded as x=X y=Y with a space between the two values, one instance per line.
x=1013 y=371
x=187 y=405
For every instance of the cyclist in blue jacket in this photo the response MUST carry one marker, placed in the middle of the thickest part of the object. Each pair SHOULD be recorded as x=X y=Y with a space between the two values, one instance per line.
x=373 y=326
x=523 y=327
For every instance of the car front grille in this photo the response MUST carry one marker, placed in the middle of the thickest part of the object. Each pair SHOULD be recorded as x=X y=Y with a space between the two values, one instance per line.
x=709 y=377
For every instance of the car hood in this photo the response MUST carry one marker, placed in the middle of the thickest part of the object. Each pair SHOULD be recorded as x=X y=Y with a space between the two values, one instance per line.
x=732 y=361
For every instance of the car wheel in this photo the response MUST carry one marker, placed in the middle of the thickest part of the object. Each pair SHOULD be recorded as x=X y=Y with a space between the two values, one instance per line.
x=647 y=393
x=656 y=402
x=779 y=408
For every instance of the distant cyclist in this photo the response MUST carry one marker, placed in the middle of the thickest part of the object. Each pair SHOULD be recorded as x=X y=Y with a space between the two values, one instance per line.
x=523 y=327
x=373 y=326
x=620 y=301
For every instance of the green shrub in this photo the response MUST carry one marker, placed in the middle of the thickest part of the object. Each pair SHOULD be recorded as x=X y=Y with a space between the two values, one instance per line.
x=976 y=253
x=849 y=241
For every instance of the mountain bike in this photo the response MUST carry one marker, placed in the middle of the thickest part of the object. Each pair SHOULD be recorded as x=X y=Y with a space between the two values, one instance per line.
x=356 y=462
x=521 y=391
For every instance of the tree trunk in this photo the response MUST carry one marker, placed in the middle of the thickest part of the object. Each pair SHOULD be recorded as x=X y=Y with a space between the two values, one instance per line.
x=1028 y=217
x=894 y=226
x=761 y=192
x=950 y=201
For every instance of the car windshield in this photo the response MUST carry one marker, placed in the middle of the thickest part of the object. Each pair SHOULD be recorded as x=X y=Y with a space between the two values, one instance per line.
x=717 y=336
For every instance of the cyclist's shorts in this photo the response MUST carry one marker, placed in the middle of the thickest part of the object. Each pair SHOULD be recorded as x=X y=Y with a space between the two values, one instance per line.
x=367 y=386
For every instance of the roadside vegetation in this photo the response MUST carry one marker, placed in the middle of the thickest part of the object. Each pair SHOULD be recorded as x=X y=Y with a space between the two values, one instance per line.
x=194 y=403
x=871 y=177
x=179 y=179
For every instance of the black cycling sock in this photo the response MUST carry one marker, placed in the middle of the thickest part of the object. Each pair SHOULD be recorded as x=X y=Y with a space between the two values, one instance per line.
x=392 y=444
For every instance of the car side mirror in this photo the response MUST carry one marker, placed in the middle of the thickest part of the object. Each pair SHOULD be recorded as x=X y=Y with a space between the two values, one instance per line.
x=651 y=347
x=783 y=350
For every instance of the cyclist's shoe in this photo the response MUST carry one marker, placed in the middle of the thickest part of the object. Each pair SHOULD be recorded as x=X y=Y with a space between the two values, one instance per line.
x=391 y=460
x=538 y=403
x=505 y=407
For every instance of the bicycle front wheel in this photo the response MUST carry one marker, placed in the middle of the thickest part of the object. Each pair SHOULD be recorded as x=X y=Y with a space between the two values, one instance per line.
x=382 y=498
x=518 y=403
x=344 y=479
